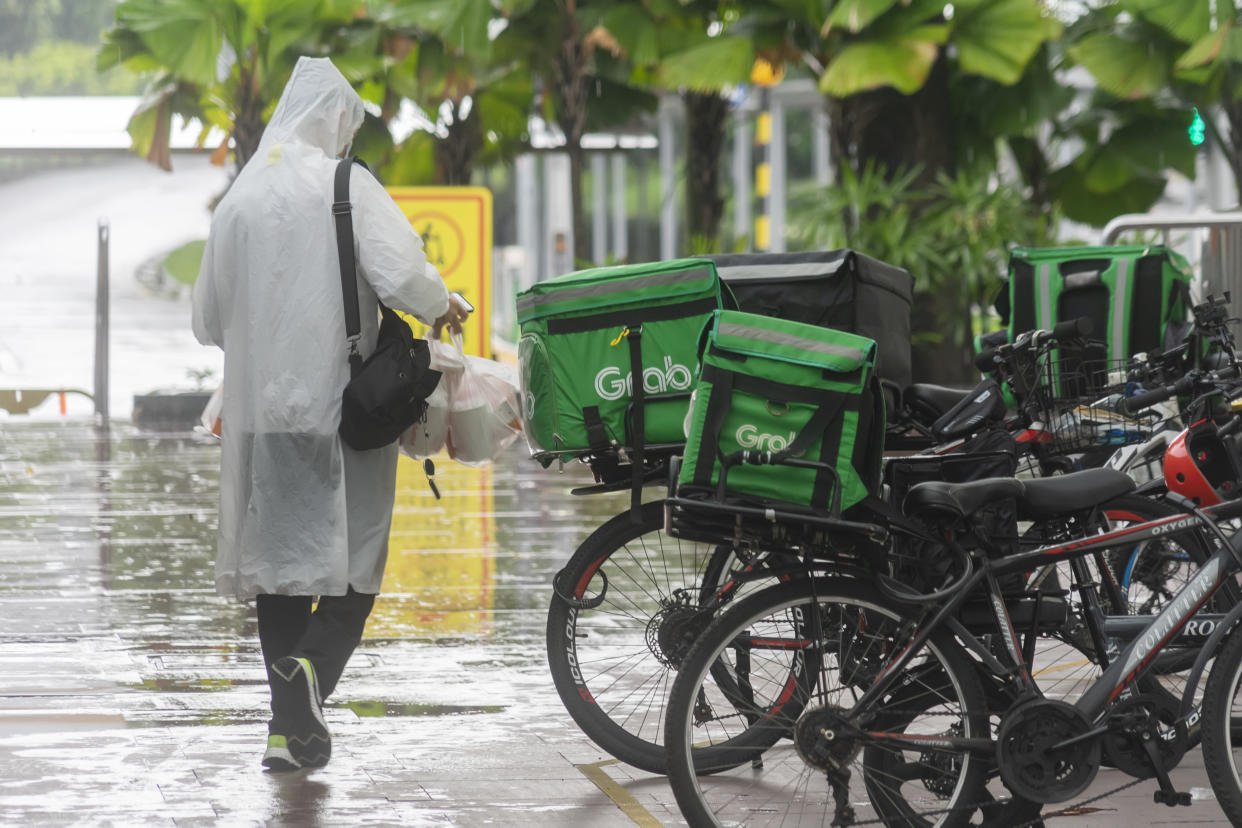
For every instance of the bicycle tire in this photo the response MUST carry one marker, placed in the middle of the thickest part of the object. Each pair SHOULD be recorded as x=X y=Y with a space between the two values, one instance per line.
x=1066 y=678
x=783 y=787
x=1146 y=557
x=612 y=664
x=1222 y=713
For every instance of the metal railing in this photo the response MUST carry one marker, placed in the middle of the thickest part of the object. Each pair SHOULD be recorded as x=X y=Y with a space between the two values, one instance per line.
x=1219 y=236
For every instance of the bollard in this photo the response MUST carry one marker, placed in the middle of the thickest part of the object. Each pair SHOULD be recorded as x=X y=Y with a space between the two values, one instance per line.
x=101 y=328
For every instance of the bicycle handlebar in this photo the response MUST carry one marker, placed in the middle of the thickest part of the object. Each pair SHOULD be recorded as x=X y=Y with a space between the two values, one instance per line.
x=1146 y=399
x=1069 y=329
x=1073 y=328
x=1185 y=385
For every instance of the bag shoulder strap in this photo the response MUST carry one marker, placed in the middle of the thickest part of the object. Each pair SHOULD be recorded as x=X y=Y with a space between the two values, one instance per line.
x=342 y=213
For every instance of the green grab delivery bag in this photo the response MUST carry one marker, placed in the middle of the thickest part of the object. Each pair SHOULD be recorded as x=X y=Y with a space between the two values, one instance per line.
x=1137 y=296
x=767 y=385
x=607 y=356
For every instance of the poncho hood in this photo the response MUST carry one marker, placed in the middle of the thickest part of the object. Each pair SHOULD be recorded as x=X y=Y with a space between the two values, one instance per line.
x=318 y=108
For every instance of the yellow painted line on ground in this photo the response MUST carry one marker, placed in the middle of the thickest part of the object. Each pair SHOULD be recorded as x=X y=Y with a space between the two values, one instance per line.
x=1071 y=665
x=618 y=794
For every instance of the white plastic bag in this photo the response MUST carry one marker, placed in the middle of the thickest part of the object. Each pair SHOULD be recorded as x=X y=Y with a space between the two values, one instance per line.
x=426 y=438
x=484 y=418
x=211 y=416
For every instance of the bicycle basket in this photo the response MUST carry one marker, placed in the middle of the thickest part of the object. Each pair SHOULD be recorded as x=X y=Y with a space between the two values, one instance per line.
x=1078 y=401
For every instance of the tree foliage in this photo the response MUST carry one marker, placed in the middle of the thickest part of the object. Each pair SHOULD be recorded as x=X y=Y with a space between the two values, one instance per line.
x=477 y=98
x=225 y=62
x=686 y=48
x=955 y=251
x=60 y=67
x=1170 y=57
x=910 y=84
x=583 y=76
x=24 y=24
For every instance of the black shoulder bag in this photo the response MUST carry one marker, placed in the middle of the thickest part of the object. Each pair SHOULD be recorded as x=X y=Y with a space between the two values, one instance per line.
x=387 y=393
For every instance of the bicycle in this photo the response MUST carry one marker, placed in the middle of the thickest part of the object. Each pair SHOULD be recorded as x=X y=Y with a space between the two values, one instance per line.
x=632 y=599
x=913 y=712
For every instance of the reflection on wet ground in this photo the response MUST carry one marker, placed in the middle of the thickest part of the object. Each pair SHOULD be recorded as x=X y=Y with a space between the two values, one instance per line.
x=131 y=693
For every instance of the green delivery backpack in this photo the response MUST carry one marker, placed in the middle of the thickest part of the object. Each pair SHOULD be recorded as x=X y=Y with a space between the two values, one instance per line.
x=1137 y=296
x=607 y=356
x=792 y=390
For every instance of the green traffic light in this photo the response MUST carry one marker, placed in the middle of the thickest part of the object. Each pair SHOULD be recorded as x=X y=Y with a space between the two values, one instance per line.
x=1197 y=129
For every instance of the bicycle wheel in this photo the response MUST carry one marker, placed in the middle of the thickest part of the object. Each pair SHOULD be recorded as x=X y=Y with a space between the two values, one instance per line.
x=1221 y=729
x=1150 y=573
x=1066 y=662
x=847 y=631
x=613 y=661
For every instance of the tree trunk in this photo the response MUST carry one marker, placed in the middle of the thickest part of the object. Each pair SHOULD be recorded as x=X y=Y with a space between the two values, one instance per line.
x=248 y=121
x=455 y=154
x=902 y=132
x=572 y=96
x=707 y=117
x=897 y=131
x=246 y=134
x=582 y=240
x=1233 y=147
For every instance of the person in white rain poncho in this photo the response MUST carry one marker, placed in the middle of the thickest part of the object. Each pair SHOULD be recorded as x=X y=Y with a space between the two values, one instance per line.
x=302 y=514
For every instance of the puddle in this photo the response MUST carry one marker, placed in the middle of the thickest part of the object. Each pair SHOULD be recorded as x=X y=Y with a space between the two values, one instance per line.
x=377 y=709
x=137 y=694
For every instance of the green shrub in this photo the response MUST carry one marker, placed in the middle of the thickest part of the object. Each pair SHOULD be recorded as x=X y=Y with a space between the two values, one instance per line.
x=61 y=67
x=954 y=237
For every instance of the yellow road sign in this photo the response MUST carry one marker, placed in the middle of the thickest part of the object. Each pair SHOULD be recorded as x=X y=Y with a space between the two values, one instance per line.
x=455 y=224
x=439 y=575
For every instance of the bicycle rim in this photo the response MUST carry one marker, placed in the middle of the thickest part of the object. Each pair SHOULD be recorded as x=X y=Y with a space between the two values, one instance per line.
x=846 y=633
x=613 y=664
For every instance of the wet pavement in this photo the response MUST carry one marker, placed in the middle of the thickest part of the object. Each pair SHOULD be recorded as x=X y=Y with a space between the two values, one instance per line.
x=48 y=266
x=130 y=694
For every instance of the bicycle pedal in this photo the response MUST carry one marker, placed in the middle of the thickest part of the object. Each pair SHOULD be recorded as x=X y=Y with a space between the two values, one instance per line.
x=1171 y=798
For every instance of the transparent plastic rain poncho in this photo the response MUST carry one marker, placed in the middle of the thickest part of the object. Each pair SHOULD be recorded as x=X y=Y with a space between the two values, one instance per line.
x=301 y=513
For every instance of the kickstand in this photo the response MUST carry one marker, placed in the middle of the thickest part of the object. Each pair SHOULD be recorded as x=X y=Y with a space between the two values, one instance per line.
x=1015 y=811
x=839 y=779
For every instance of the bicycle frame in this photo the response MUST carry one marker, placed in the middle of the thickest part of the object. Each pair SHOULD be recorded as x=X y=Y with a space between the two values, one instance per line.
x=1129 y=665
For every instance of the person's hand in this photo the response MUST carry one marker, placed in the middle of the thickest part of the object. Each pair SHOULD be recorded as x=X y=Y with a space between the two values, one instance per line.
x=456 y=314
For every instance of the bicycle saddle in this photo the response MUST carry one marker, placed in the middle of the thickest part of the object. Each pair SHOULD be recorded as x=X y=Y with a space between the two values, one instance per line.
x=1036 y=498
x=1071 y=492
x=960 y=499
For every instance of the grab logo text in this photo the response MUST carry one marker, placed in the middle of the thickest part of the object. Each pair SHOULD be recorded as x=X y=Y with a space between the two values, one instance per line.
x=613 y=384
x=750 y=437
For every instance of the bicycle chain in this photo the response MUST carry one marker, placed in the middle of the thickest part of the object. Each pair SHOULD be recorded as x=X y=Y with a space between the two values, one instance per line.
x=1066 y=811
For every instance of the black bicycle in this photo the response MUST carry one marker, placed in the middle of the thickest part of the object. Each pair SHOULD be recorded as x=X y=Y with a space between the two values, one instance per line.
x=806 y=700
x=632 y=599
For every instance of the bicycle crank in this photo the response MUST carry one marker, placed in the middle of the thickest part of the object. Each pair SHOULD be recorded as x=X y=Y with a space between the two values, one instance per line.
x=1030 y=761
